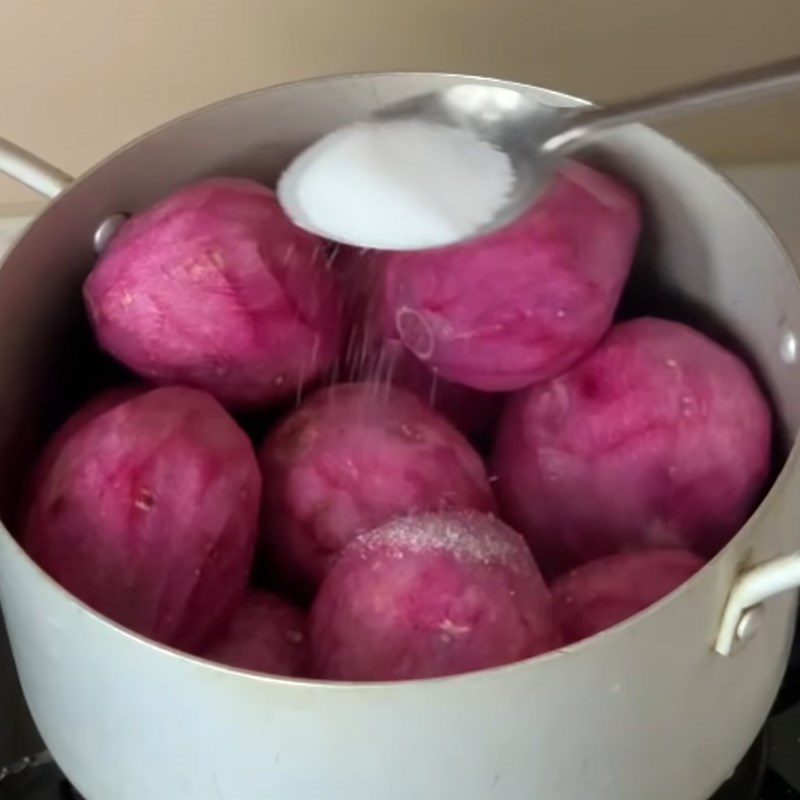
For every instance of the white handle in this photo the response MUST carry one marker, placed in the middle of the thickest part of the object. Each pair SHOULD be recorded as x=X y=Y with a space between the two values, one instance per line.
x=742 y=612
x=32 y=170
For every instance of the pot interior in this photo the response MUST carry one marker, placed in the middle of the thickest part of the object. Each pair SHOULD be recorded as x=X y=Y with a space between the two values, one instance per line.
x=706 y=258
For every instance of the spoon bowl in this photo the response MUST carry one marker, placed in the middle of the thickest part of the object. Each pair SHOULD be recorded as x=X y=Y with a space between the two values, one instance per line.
x=512 y=123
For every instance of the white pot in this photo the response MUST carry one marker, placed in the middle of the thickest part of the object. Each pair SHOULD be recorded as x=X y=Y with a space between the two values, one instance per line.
x=659 y=708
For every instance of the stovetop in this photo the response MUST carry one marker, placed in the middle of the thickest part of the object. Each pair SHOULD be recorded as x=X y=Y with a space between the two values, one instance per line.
x=769 y=771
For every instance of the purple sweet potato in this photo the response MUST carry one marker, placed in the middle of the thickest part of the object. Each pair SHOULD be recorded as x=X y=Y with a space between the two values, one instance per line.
x=350 y=458
x=523 y=304
x=602 y=593
x=266 y=634
x=146 y=508
x=432 y=595
x=660 y=438
x=215 y=288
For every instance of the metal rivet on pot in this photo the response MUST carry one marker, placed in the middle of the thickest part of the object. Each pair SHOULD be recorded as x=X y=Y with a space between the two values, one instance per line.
x=749 y=623
x=788 y=347
x=106 y=230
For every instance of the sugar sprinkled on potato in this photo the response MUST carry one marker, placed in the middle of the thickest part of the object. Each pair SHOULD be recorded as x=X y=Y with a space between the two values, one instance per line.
x=432 y=595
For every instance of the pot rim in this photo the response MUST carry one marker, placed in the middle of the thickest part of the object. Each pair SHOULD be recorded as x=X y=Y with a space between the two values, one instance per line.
x=787 y=469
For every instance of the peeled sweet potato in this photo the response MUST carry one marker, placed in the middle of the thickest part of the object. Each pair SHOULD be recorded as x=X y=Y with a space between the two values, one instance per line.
x=523 y=304
x=436 y=594
x=660 y=438
x=145 y=507
x=350 y=458
x=603 y=593
x=266 y=634
x=215 y=288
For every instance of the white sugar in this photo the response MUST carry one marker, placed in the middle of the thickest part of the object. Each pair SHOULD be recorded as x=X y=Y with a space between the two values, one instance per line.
x=469 y=536
x=397 y=185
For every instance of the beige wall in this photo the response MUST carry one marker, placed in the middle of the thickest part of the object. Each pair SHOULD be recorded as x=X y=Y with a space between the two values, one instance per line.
x=80 y=77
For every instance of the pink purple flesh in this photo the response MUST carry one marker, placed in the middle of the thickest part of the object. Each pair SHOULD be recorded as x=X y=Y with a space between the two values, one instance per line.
x=603 y=593
x=146 y=509
x=214 y=287
x=660 y=438
x=431 y=595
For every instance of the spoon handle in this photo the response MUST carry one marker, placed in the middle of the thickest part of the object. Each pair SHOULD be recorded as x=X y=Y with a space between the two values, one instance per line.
x=758 y=81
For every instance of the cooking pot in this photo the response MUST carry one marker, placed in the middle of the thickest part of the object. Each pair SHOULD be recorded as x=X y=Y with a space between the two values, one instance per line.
x=659 y=708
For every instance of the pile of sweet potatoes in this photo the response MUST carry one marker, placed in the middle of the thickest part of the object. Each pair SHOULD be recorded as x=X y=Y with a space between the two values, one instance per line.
x=473 y=463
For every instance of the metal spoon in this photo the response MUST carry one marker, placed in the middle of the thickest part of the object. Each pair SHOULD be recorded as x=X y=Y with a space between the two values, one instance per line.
x=536 y=136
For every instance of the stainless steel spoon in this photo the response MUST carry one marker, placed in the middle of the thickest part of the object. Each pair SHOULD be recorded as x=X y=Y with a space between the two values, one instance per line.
x=536 y=136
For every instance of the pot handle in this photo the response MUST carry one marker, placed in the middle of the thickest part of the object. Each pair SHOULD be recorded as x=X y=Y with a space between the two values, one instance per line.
x=31 y=170
x=743 y=611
